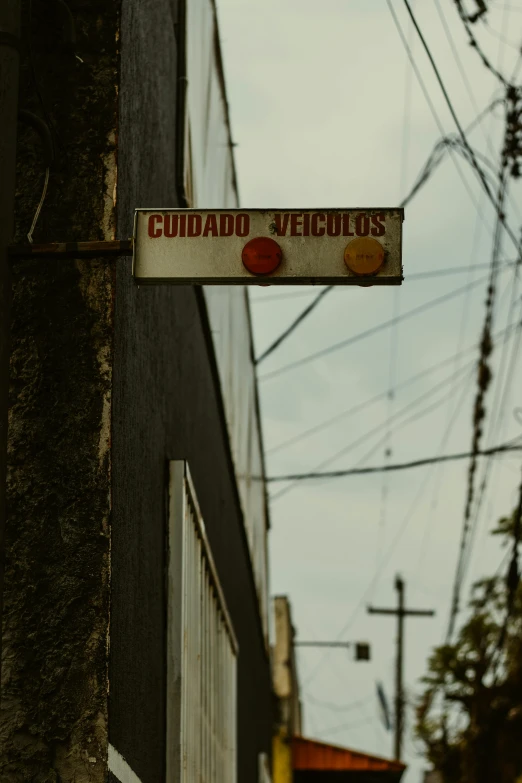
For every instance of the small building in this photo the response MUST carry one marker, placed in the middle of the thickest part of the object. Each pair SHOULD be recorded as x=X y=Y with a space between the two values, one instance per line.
x=135 y=588
x=319 y=762
x=297 y=759
x=433 y=777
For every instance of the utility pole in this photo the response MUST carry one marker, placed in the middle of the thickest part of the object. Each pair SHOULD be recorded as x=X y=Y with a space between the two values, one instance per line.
x=10 y=13
x=401 y=612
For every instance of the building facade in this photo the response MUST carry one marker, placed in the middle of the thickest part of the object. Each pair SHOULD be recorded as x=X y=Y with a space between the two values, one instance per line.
x=299 y=759
x=135 y=459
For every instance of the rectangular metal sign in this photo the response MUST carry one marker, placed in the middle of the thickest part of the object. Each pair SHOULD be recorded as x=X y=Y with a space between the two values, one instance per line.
x=324 y=246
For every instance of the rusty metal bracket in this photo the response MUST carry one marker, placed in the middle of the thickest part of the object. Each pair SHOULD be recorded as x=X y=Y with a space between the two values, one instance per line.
x=59 y=250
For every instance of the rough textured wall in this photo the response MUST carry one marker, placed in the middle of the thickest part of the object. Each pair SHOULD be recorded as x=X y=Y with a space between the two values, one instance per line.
x=53 y=716
x=167 y=405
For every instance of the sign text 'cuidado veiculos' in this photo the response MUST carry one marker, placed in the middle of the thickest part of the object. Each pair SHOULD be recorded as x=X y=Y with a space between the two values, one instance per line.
x=354 y=246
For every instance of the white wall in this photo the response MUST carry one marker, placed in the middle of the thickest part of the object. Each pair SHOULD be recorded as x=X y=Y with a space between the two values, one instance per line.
x=211 y=183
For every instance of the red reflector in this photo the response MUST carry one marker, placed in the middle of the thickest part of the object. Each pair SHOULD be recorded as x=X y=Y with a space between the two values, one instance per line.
x=261 y=255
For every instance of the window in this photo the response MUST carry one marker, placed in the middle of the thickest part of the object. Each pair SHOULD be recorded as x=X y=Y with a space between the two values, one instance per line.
x=201 y=649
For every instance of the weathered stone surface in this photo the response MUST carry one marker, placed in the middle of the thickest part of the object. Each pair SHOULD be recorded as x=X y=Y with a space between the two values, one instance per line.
x=53 y=714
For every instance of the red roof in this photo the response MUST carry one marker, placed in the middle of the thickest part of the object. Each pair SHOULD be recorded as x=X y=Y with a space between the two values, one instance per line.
x=310 y=754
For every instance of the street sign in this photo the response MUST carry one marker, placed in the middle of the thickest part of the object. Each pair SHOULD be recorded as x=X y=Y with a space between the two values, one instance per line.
x=328 y=246
x=362 y=651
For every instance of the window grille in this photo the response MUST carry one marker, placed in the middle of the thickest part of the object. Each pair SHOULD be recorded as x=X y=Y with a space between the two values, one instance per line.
x=202 y=649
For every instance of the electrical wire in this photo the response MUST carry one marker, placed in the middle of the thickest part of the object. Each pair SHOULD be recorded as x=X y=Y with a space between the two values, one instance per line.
x=332 y=706
x=376 y=578
x=372 y=330
x=428 y=98
x=462 y=134
x=483 y=381
x=495 y=426
x=465 y=79
x=513 y=574
x=429 y=520
x=347 y=726
x=382 y=395
x=475 y=44
x=446 y=143
x=457 y=409
x=505 y=375
x=300 y=318
x=431 y=273
x=39 y=207
x=331 y=474
x=363 y=438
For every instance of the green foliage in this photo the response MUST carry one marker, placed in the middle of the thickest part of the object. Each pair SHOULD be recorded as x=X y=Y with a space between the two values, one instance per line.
x=470 y=714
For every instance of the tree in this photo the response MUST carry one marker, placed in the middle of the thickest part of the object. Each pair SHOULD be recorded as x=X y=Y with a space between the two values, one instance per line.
x=470 y=714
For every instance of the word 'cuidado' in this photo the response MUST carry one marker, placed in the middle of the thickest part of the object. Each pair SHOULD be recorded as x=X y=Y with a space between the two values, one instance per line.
x=293 y=224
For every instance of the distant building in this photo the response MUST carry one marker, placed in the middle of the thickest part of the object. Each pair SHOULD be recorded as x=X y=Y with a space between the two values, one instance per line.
x=297 y=759
x=433 y=777
x=286 y=689
x=135 y=623
x=319 y=762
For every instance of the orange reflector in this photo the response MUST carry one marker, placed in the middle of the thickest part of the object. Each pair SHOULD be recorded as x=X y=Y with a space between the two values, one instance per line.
x=261 y=255
x=364 y=256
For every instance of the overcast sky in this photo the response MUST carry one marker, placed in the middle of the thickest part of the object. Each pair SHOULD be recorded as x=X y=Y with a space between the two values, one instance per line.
x=326 y=112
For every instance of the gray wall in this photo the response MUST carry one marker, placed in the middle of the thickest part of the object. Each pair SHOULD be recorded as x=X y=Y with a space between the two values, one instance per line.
x=167 y=405
x=53 y=716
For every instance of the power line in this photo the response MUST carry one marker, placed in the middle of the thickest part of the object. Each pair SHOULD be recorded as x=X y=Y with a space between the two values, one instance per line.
x=282 y=337
x=363 y=438
x=384 y=562
x=430 y=102
x=335 y=707
x=475 y=44
x=398 y=415
x=495 y=426
x=347 y=726
x=445 y=143
x=331 y=474
x=513 y=574
x=431 y=273
x=506 y=335
x=373 y=330
x=361 y=406
x=459 y=127
x=484 y=375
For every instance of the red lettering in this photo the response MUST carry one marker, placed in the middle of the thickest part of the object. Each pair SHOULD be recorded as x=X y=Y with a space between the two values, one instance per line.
x=333 y=225
x=182 y=225
x=306 y=225
x=226 y=225
x=316 y=231
x=211 y=226
x=170 y=225
x=362 y=225
x=281 y=222
x=194 y=226
x=242 y=225
x=295 y=224
x=346 y=226
x=154 y=231
x=378 y=225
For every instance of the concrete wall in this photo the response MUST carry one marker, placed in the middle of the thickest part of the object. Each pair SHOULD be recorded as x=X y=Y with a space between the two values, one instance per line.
x=108 y=383
x=286 y=689
x=53 y=717
x=167 y=405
